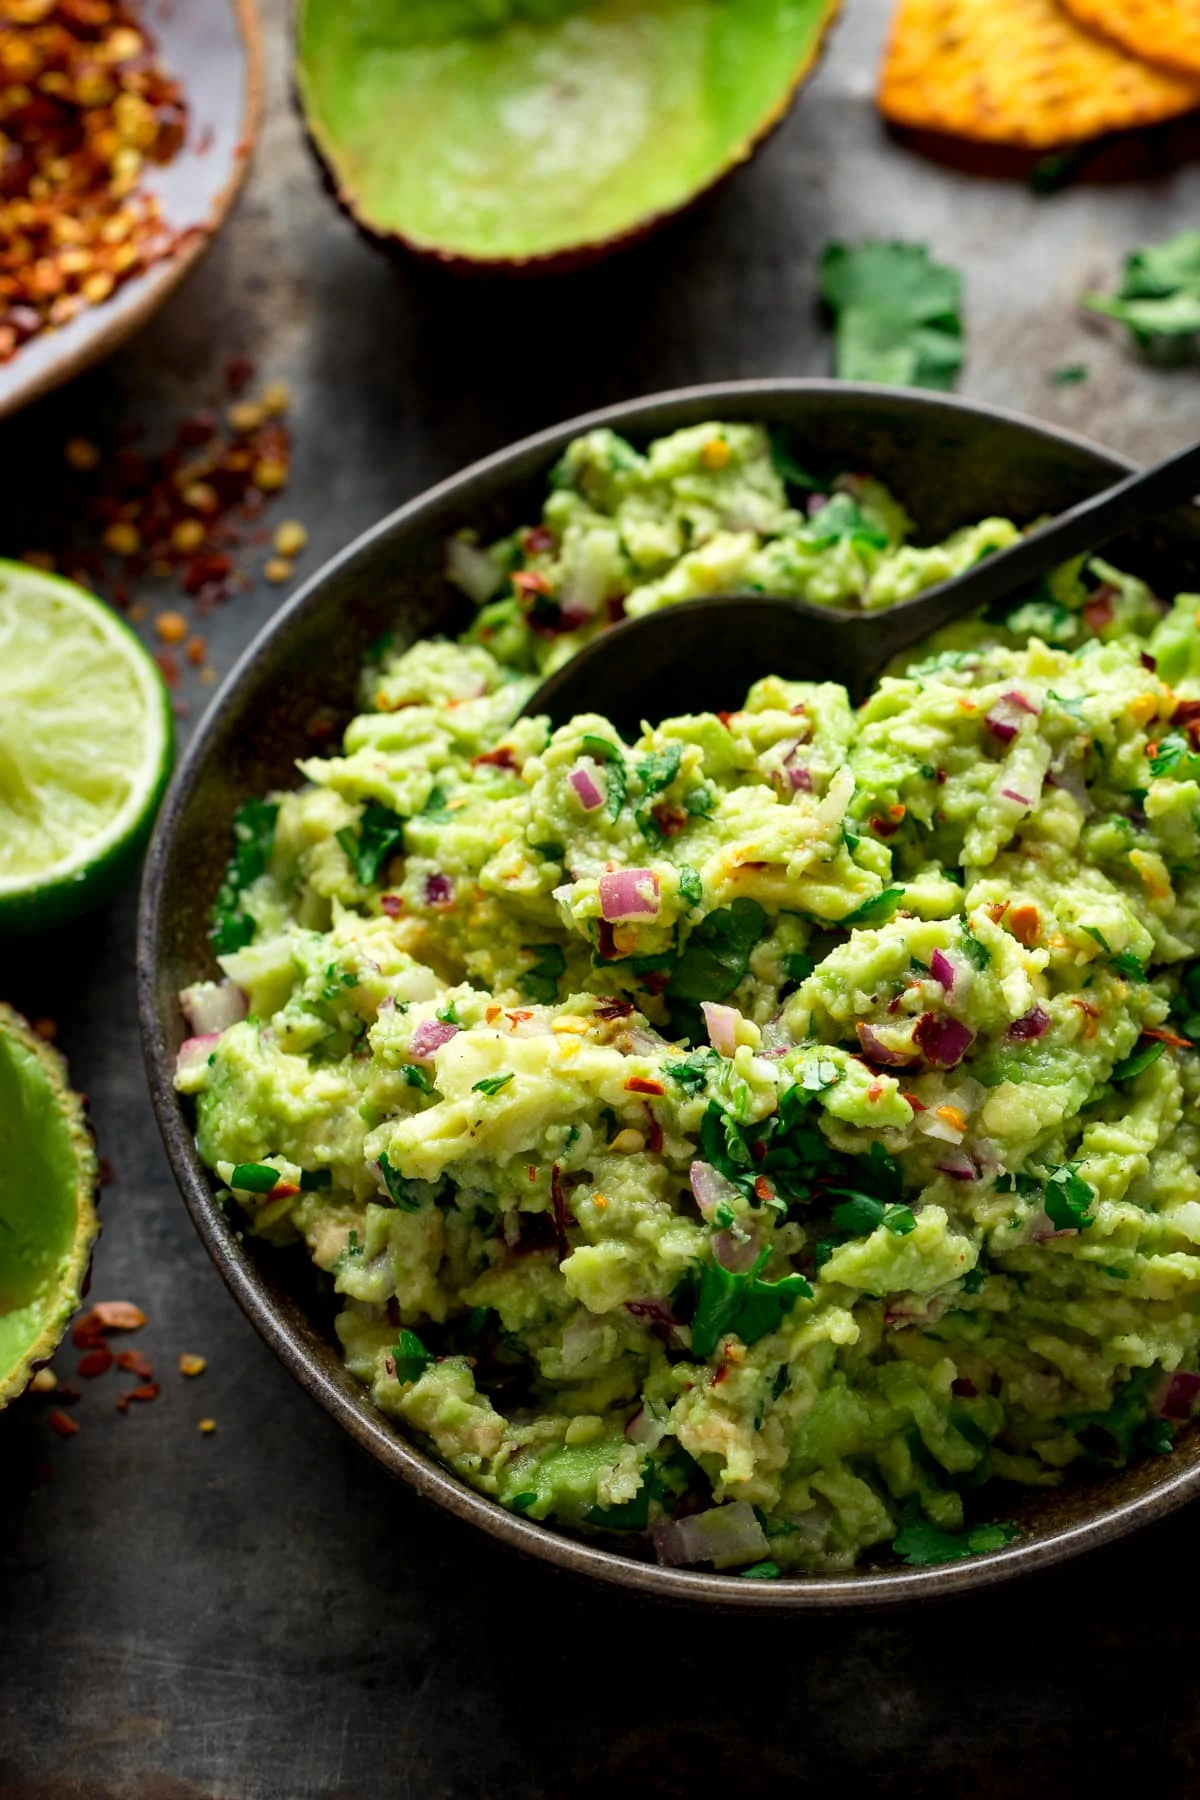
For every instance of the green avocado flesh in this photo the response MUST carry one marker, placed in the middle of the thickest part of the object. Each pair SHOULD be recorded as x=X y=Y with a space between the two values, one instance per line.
x=47 y=1219
x=515 y=129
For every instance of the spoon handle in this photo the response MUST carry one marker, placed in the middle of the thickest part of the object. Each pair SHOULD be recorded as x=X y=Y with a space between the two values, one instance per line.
x=1081 y=528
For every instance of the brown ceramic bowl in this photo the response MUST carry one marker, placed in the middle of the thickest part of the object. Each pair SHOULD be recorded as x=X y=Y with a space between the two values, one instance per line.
x=950 y=461
x=215 y=48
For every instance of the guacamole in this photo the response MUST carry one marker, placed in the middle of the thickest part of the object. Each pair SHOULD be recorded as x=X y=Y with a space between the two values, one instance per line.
x=755 y=1139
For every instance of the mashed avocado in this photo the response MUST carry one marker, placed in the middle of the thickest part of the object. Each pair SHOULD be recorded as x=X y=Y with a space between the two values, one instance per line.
x=769 y=1132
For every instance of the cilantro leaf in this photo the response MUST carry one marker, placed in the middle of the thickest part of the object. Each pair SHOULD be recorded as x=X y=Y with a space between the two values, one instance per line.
x=1128 y=965
x=410 y=1357
x=253 y=842
x=718 y=952
x=1175 y=756
x=744 y=1305
x=659 y=769
x=761 y=1571
x=418 y=1077
x=397 y=1186
x=540 y=983
x=1159 y=292
x=698 y=802
x=840 y=519
x=976 y=953
x=796 y=966
x=1068 y=1198
x=875 y=910
x=492 y=1084
x=860 y=1214
x=690 y=1077
x=1141 y=1058
x=787 y=468
x=691 y=887
x=616 y=779
x=379 y=836
x=920 y=1543
x=255 y=1178
x=897 y=314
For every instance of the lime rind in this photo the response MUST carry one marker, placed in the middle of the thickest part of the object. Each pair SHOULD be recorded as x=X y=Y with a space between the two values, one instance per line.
x=36 y=1095
x=86 y=746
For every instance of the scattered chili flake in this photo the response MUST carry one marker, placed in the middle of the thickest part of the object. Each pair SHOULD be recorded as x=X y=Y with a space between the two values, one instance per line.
x=95 y=1362
x=196 y=649
x=654 y=1132
x=559 y=1201
x=109 y=1315
x=81 y=453
x=1025 y=923
x=62 y=1423
x=149 y=1390
x=638 y=1084
x=105 y=1171
x=503 y=757
x=1163 y=1036
x=207 y=1426
x=290 y=538
x=46 y=1028
x=168 y=667
x=763 y=1191
x=135 y=1362
x=192 y=1365
x=277 y=569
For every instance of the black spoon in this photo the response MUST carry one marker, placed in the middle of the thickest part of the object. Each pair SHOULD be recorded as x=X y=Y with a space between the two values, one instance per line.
x=702 y=655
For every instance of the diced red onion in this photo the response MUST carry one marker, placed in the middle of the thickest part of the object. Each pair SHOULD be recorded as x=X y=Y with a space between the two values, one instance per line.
x=472 y=570
x=1012 y=794
x=710 y=1188
x=654 y=1312
x=1070 y=781
x=958 y=1165
x=213 y=1006
x=645 y=1429
x=798 y=774
x=1033 y=1024
x=945 y=1041
x=721 y=1023
x=903 y=1310
x=629 y=894
x=429 y=1037
x=1021 y=702
x=1176 y=1395
x=588 y=791
x=439 y=890
x=815 y=502
x=724 y=1536
x=1041 y=1228
x=1002 y=728
x=194 y=1051
x=874 y=1047
x=942 y=969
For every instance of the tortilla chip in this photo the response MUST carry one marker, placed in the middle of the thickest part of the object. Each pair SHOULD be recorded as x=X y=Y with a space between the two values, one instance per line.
x=1018 y=72
x=1164 y=31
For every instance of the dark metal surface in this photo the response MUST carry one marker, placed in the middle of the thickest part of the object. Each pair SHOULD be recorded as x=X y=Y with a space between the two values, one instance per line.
x=263 y=1613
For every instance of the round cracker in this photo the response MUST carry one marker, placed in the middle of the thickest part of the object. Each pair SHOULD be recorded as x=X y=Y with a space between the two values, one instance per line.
x=1019 y=72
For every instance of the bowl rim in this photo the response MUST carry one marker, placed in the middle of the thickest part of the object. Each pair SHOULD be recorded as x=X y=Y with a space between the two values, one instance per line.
x=354 y=1410
x=151 y=290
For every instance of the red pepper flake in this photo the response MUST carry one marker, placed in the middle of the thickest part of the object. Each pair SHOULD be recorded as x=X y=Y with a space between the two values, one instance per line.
x=606 y=943
x=1098 y=613
x=519 y=1016
x=106 y=1315
x=671 y=820
x=638 y=1084
x=105 y=1172
x=1187 y=714
x=149 y=1390
x=135 y=1363
x=655 y=981
x=500 y=758
x=963 y=1387
x=941 y=777
x=613 y=1009
x=62 y=1423
x=654 y=1133
x=392 y=905
x=1163 y=1036
x=538 y=540
x=917 y=1105
x=763 y=1191
x=239 y=373
x=95 y=1362
x=875 y=1092
x=882 y=827
x=725 y=718
x=529 y=582
x=168 y=667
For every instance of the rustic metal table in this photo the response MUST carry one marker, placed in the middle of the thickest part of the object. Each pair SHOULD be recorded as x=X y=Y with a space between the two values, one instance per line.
x=258 y=1614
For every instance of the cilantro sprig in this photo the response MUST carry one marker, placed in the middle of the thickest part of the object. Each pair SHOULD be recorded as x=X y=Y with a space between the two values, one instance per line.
x=253 y=841
x=919 y=1543
x=378 y=837
x=1159 y=293
x=897 y=314
x=742 y=1305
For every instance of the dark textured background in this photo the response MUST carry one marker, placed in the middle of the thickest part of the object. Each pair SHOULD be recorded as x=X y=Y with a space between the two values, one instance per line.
x=260 y=1615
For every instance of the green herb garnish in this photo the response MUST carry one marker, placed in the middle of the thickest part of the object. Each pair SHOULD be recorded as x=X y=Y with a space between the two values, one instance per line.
x=378 y=836
x=255 y=1178
x=920 y=1543
x=253 y=842
x=492 y=1084
x=897 y=314
x=616 y=780
x=540 y=983
x=399 y=1189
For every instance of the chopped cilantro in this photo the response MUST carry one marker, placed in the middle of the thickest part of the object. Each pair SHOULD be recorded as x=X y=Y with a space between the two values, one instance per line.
x=522 y=1502
x=744 y=1305
x=1147 y=1052
x=410 y=1357
x=796 y=966
x=397 y=1186
x=616 y=779
x=787 y=468
x=859 y=1214
x=540 y=982
x=1070 y=375
x=255 y=1178
x=446 y=1015
x=492 y=1084
x=689 y=1076
x=920 y=1543
x=761 y=1571
x=974 y=1278
x=551 y=852
x=1159 y=293
x=1174 y=756
x=976 y=953
x=659 y=769
x=691 y=887
x=379 y=836
x=354 y=1248
x=842 y=519
x=897 y=314
x=418 y=1078
x=253 y=842
x=875 y=910
x=718 y=952
x=435 y=806
x=1068 y=1198
x=698 y=802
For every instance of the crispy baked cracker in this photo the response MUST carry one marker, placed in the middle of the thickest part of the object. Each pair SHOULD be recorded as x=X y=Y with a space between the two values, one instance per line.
x=1163 y=31
x=1019 y=72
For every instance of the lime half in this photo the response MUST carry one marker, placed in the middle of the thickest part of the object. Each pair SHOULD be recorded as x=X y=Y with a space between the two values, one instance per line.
x=48 y=1220
x=86 y=742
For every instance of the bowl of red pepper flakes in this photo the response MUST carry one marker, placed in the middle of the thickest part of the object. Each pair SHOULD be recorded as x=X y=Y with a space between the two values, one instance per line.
x=122 y=148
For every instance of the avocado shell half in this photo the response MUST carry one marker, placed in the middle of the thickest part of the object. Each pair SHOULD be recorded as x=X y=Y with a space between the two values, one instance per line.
x=533 y=136
x=48 y=1221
